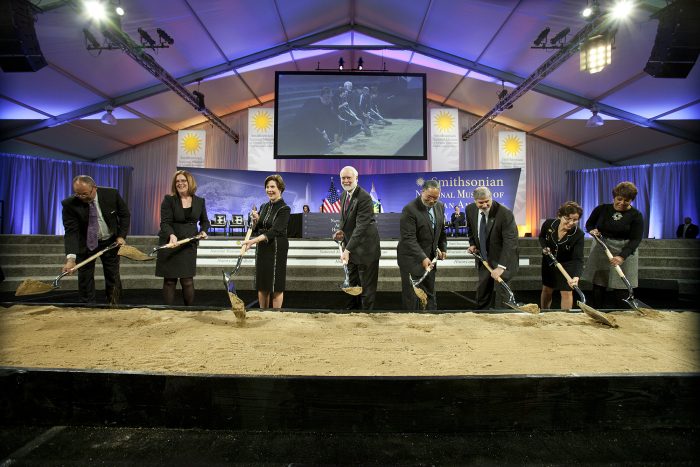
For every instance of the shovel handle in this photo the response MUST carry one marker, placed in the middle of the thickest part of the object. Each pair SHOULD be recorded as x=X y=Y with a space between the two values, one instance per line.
x=93 y=257
x=486 y=265
x=609 y=254
x=247 y=237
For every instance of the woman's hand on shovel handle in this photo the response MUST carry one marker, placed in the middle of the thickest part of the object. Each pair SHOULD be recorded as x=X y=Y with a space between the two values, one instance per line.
x=573 y=282
x=594 y=232
x=172 y=240
x=617 y=260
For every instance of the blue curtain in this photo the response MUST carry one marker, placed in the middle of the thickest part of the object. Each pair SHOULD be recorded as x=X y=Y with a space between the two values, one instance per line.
x=667 y=192
x=32 y=189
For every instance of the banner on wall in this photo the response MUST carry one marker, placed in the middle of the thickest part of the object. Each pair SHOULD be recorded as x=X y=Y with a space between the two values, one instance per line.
x=261 y=132
x=444 y=139
x=236 y=191
x=191 y=148
x=511 y=155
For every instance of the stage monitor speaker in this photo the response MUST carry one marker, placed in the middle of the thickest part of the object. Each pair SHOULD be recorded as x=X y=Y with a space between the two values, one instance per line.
x=19 y=47
x=677 y=40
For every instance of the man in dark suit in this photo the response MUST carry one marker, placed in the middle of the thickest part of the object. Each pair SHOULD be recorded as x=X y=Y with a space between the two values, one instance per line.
x=493 y=232
x=358 y=228
x=687 y=229
x=457 y=220
x=422 y=236
x=84 y=237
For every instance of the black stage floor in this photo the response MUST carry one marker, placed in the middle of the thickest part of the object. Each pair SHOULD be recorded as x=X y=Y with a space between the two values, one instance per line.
x=82 y=446
x=323 y=300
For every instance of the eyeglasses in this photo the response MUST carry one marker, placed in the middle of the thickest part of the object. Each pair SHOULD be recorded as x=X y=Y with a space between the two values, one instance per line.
x=84 y=195
x=570 y=221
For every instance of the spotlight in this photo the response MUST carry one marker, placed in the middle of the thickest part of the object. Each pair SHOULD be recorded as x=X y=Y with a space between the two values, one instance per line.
x=595 y=120
x=108 y=118
x=622 y=9
x=91 y=39
x=95 y=10
x=542 y=38
x=360 y=63
x=561 y=35
x=596 y=54
x=341 y=62
x=164 y=37
x=146 y=38
x=119 y=10
x=592 y=10
x=199 y=97
x=502 y=94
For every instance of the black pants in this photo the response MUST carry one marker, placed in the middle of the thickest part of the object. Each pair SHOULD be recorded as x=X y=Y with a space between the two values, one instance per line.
x=365 y=275
x=409 y=300
x=489 y=294
x=110 y=266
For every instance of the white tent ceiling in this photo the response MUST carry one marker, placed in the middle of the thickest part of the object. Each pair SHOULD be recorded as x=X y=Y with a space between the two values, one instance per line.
x=230 y=50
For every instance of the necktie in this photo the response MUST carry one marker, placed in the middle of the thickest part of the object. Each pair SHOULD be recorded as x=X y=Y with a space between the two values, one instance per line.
x=93 y=227
x=347 y=202
x=482 y=235
x=432 y=218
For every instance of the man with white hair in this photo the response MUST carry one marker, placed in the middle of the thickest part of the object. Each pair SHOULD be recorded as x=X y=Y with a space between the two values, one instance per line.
x=494 y=234
x=358 y=228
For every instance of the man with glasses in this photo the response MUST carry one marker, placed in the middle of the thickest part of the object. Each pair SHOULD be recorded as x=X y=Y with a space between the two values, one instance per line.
x=94 y=218
x=493 y=233
x=423 y=238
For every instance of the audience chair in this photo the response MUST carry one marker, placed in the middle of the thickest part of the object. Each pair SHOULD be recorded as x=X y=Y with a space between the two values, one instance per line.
x=237 y=222
x=218 y=222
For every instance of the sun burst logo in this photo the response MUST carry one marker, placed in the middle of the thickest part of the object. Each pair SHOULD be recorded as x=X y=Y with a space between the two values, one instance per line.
x=191 y=143
x=512 y=145
x=444 y=122
x=262 y=121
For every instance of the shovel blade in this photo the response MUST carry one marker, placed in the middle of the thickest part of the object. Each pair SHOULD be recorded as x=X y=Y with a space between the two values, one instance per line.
x=33 y=287
x=597 y=315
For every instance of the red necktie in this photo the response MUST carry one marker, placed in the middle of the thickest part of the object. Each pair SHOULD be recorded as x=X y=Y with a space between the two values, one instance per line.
x=347 y=202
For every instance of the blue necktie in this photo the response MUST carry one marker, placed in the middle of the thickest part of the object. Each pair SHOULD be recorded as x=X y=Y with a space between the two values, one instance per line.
x=93 y=226
x=482 y=236
x=432 y=218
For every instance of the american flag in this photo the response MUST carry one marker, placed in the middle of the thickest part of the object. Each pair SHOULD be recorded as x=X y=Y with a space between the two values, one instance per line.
x=332 y=201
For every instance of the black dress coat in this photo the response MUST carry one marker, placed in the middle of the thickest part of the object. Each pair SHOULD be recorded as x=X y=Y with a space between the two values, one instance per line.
x=568 y=251
x=360 y=227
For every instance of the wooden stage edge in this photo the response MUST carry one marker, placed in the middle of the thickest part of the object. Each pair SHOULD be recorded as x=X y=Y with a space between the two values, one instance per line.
x=454 y=404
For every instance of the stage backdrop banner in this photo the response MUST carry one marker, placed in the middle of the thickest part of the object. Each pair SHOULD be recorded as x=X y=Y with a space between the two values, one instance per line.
x=236 y=191
x=444 y=139
x=511 y=155
x=261 y=132
x=190 y=148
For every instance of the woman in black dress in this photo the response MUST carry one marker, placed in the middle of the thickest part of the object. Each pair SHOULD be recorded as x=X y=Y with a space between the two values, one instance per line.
x=179 y=213
x=270 y=230
x=563 y=238
x=622 y=227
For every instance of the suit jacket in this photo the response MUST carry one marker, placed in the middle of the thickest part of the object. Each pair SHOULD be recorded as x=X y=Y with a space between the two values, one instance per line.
x=115 y=212
x=501 y=235
x=419 y=239
x=458 y=219
x=172 y=218
x=360 y=227
x=692 y=231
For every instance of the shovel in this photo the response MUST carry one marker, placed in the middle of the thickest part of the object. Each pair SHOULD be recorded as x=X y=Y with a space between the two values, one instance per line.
x=638 y=305
x=420 y=293
x=237 y=304
x=345 y=286
x=528 y=308
x=33 y=287
x=134 y=253
x=174 y=245
x=589 y=310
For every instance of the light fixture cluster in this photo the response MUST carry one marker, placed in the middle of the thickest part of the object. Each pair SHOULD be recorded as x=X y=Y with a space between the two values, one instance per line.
x=596 y=53
x=341 y=66
x=542 y=41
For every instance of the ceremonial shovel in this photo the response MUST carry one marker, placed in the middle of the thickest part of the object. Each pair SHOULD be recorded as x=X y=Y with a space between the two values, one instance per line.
x=345 y=286
x=237 y=304
x=638 y=305
x=174 y=245
x=590 y=311
x=529 y=308
x=33 y=287
x=420 y=293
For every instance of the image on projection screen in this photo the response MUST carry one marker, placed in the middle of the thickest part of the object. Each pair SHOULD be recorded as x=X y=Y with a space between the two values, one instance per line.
x=350 y=115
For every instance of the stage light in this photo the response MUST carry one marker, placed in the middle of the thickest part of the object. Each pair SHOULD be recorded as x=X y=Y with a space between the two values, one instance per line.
x=360 y=63
x=164 y=37
x=146 y=38
x=622 y=9
x=119 y=10
x=200 y=100
x=502 y=94
x=95 y=10
x=596 y=54
x=561 y=35
x=592 y=10
x=595 y=120
x=542 y=38
x=341 y=62
x=108 y=118
x=91 y=39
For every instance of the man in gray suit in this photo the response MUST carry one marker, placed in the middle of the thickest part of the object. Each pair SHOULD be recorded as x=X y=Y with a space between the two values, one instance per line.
x=492 y=232
x=422 y=236
x=358 y=228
